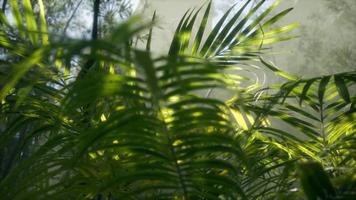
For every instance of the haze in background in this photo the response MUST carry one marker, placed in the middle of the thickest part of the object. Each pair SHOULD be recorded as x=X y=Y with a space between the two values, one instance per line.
x=327 y=35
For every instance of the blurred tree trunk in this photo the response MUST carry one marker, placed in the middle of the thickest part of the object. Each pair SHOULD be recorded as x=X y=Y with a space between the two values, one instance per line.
x=94 y=34
x=4 y=5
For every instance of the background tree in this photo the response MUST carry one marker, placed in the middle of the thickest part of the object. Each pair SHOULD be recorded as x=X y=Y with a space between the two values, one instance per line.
x=138 y=127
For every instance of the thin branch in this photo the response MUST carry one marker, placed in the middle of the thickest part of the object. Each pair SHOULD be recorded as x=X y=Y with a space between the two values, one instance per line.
x=71 y=17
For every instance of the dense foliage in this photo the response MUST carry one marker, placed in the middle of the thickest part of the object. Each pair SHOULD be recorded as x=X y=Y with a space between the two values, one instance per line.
x=103 y=119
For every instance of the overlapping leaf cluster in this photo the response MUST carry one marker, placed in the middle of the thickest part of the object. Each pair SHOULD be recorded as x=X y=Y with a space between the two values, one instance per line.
x=122 y=124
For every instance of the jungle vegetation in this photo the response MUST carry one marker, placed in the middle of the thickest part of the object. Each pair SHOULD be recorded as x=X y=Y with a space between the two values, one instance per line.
x=101 y=118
